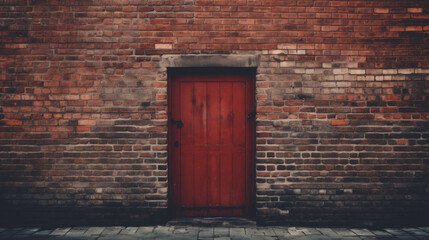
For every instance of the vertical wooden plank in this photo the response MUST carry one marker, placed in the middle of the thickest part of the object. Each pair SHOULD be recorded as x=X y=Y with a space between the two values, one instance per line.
x=226 y=131
x=200 y=113
x=239 y=120
x=200 y=183
x=239 y=137
x=187 y=179
x=200 y=138
x=175 y=136
x=213 y=137
x=226 y=114
x=226 y=186
x=213 y=111
x=187 y=137
x=238 y=179
x=214 y=182
x=187 y=102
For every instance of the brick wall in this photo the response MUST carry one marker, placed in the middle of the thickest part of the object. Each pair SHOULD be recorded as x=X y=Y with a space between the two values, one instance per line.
x=342 y=102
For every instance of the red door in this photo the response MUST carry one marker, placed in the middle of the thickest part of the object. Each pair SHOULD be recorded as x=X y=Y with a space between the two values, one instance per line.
x=211 y=144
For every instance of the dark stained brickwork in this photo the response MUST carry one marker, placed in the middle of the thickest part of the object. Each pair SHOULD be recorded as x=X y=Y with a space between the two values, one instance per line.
x=342 y=105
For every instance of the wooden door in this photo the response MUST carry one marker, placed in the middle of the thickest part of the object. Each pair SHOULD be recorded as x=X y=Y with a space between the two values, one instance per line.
x=211 y=132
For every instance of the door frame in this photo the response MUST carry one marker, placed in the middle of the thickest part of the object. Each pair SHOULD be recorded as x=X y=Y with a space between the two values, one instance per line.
x=250 y=212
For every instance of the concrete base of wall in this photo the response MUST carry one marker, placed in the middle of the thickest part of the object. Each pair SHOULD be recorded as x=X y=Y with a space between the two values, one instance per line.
x=123 y=216
x=68 y=216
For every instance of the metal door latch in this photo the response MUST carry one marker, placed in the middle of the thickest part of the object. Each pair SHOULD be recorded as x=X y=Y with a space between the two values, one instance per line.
x=179 y=123
x=251 y=116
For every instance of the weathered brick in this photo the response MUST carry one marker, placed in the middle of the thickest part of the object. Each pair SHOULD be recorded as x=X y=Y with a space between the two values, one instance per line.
x=381 y=10
x=414 y=10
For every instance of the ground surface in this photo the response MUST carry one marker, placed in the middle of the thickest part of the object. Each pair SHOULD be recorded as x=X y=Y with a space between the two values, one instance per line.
x=220 y=233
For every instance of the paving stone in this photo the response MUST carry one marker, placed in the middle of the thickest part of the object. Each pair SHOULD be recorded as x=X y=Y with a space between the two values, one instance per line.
x=8 y=233
x=177 y=237
x=144 y=230
x=164 y=235
x=43 y=232
x=189 y=232
x=395 y=231
x=237 y=232
x=185 y=230
x=380 y=233
x=180 y=230
x=258 y=233
x=147 y=236
x=28 y=231
x=34 y=237
x=60 y=231
x=426 y=229
x=221 y=232
x=72 y=238
x=162 y=230
x=295 y=232
x=305 y=237
x=28 y=237
x=405 y=237
x=111 y=231
x=344 y=232
x=77 y=231
x=260 y=237
x=309 y=231
x=281 y=232
x=124 y=237
x=246 y=237
x=250 y=231
x=129 y=231
x=94 y=231
x=415 y=231
x=222 y=238
x=206 y=233
x=328 y=232
x=362 y=232
x=420 y=237
x=265 y=231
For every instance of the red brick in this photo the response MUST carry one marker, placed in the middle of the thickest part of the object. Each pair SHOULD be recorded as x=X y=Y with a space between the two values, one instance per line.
x=415 y=10
x=414 y=28
x=381 y=10
x=13 y=122
x=87 y=122
x=339 y=122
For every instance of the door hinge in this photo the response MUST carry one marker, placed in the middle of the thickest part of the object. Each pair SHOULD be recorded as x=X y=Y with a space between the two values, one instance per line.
x=179 y=123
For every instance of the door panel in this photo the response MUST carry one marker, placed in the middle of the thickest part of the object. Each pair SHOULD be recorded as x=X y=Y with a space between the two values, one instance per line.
x=211 y=155
x=226 y=114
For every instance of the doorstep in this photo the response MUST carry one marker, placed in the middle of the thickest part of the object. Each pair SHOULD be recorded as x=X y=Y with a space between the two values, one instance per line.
x=212 y=222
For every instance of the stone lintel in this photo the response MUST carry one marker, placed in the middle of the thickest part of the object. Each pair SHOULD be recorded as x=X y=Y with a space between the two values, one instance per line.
x=210 y=60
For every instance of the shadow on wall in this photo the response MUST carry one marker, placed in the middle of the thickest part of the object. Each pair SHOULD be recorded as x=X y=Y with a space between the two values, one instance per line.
x=50 y=217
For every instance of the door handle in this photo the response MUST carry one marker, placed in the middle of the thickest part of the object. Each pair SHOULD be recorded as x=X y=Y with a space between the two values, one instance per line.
x=251 y=116
x=179 y=123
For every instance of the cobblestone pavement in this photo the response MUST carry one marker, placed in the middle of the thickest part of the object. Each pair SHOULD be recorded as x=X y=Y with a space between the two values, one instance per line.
x=220 y=233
